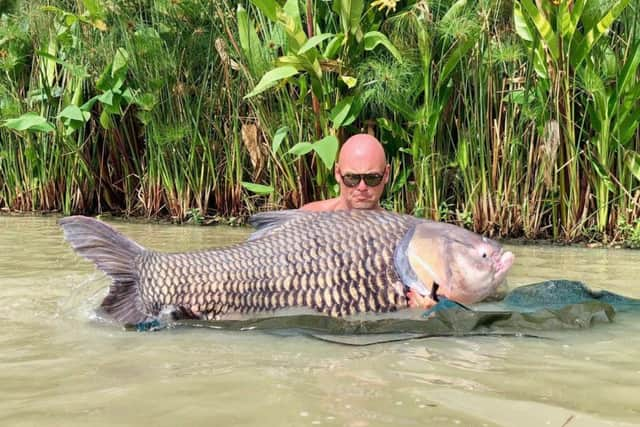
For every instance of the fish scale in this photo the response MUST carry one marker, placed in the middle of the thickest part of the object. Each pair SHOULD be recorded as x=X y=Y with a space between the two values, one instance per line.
x=253 y=277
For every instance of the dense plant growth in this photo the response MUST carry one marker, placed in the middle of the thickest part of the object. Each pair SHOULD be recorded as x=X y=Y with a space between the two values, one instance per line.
x=512 y=118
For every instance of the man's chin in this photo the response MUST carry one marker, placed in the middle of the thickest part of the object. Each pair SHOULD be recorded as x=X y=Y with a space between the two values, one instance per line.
x=364 y=204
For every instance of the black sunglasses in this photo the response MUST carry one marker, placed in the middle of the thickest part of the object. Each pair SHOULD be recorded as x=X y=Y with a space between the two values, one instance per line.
x=353 y=179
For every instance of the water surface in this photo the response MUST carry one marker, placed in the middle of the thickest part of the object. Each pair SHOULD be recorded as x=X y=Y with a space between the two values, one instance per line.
x=59 y=365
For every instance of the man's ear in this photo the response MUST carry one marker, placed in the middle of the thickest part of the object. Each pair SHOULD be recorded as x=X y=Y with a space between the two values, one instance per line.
x=337 y=174
x=387 y=171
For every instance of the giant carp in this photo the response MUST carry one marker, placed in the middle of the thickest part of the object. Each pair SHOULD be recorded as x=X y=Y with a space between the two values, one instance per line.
x=335 y=263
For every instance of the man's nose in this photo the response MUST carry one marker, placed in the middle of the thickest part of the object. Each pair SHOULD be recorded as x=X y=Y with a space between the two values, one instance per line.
x=361 y=185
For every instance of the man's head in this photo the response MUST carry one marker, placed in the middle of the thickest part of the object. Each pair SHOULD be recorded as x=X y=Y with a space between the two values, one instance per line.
x=362 y=171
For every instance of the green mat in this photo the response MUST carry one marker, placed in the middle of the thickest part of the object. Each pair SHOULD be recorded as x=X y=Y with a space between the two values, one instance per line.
x=524 y=312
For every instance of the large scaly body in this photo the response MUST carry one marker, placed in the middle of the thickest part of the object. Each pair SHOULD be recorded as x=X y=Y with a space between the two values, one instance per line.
x=336 y=263
x=340 y=266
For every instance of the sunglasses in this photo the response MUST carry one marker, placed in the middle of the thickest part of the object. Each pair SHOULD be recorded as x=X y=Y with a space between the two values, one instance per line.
x=370 y=179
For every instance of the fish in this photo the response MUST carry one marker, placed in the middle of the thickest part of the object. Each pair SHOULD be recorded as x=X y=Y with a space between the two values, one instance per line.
x=332 y=263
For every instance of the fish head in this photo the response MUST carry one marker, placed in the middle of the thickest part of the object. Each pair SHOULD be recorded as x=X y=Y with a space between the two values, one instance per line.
x=465 y=266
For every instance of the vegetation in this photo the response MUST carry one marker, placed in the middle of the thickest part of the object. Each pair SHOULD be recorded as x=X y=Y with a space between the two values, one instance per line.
x=513 y=118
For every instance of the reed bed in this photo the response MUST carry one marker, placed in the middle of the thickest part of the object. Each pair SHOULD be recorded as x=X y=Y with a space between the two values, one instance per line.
x=512 y=118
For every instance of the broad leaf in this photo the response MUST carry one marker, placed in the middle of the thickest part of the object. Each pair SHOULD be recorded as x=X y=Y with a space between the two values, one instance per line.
x=106 y=98
x=269 y=7
x=350 y=12
x=301 y=148
x=29 y=122
x=271 y=78
x=257 y=188
x=602 y=172
x=73 y=112
x=522 y=25
x=592 y=35
x=632 y=161
x=375 y=38
x=278 y=138
x=334 y=45
x=454 y=58
x=120 y=63
x=544 y=28
x=351 y=82
x=249 y=42
x=340 y=111
x=327 y=148
x=94 y=8
x=314 y=41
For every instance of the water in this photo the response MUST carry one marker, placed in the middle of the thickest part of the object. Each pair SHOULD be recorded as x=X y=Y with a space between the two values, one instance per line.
x=59 y=366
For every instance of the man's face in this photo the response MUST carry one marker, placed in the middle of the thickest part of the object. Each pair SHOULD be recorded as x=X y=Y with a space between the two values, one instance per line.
x=361 y=195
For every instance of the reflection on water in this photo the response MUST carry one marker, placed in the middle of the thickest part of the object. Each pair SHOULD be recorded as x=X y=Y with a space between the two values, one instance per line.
x=61 y=366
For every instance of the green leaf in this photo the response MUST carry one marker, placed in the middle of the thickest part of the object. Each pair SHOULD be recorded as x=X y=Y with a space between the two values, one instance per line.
x=327 y=149
x=290 y=20
x=627 y=77
x=544 y=28
x=301 y=148
x=350 y=12
x=29 y=122
x=128 y=95
x=522 y=25
x=334 y=45
x=250 y=42
x=375 y=38
x=592 y=35
x=340 y=111
x=105 y=120
x=94 y=8
x=351 y=82
x=314 y=41
x=454 y=58
x=73 y=112
x=268 y=7
x=87 y=106
x=632 y=162
x=454 y=11
x=278 y=138
x=147 y=101
x=271 y=78
x=602 y=173
x=120 y=63
x=257 y=188
x=106 y=98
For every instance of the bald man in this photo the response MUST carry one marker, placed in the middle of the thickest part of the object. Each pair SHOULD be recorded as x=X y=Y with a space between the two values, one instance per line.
x=362 y=172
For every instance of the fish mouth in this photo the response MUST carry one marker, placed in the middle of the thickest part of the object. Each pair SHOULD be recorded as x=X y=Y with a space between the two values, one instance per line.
x=504 y=262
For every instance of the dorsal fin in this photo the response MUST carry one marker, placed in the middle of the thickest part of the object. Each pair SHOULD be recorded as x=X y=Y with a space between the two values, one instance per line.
x=267 y=222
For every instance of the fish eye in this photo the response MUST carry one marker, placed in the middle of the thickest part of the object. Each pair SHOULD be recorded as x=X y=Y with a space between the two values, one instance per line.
x=484 y=254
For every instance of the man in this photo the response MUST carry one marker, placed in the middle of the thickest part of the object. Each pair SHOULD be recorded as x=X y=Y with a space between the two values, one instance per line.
x=362 y=172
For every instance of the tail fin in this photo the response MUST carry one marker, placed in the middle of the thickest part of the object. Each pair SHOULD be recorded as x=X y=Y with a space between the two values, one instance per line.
x=115 y=255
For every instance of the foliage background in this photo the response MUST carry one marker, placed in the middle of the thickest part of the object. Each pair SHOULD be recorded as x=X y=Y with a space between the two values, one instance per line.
x=512 y=118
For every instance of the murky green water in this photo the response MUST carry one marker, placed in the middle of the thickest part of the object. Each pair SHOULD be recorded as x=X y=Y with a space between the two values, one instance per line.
x=61 y=367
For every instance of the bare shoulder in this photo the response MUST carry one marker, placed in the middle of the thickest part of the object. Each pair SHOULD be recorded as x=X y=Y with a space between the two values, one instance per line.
x=322 y=205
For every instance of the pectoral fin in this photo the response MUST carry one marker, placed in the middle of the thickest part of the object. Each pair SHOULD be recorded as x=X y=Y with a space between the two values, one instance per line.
x=404 y=266
x=421 y=259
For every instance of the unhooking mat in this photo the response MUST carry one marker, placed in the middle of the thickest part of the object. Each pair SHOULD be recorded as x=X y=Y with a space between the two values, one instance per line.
x=524 y=311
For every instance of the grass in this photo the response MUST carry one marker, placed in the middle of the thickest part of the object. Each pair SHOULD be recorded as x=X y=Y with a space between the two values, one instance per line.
x=149 y=117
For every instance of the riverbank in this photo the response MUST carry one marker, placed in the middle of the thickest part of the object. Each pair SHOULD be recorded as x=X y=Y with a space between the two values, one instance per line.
x=201 y=110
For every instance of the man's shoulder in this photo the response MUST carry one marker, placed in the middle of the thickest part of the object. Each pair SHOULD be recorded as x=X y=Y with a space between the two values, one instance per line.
x=322 y=205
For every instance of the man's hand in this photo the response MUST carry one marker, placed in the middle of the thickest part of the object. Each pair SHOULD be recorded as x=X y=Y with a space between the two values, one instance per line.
x=415 y=300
